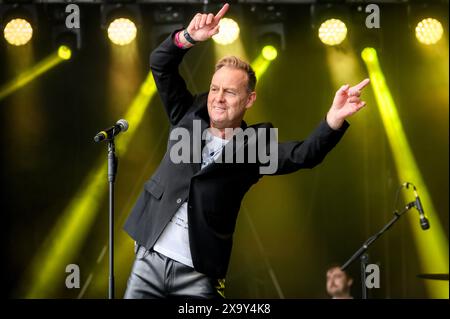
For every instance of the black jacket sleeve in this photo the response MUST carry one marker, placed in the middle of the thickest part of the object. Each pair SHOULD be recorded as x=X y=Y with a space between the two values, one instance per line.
x=293 y=156
x=164 y=63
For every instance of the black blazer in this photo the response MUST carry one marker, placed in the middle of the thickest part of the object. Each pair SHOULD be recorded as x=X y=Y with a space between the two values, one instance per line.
x=214 y=194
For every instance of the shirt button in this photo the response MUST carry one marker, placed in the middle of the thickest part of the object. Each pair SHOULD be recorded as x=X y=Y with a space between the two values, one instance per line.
x=178 y=200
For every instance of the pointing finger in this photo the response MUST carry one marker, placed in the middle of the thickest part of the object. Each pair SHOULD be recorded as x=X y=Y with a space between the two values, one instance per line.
x=221 y=12
x=362 y=84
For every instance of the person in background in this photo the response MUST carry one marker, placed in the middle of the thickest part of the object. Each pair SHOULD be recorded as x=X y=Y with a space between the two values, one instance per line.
x=339 y=283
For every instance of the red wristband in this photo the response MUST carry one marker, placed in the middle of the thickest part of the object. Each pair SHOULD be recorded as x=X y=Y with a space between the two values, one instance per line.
x=177 y=40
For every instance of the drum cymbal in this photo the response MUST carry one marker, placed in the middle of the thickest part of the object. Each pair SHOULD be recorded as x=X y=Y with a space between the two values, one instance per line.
x=433 y=276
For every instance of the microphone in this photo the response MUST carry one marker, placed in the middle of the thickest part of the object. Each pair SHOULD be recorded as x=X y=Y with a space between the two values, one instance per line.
x=424 y=223
x=106 y=134
x=423 y=220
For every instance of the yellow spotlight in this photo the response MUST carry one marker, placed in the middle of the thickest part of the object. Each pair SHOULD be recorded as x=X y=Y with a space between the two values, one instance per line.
x=29 y=75
x=429 y=31
x=269 y=52
x=228 y=32
x=432 y=246
x=44 y=273
x=64 y=52
x=332 y=32
x=260 y=65
x=369 y=55
x=18 y=32
x=122 y=31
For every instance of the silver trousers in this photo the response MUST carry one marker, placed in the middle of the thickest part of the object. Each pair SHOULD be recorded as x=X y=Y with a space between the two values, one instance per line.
x=154 y=275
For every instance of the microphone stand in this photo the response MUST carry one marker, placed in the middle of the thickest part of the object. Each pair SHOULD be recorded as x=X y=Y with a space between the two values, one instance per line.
x=112 y=170
x=361 y=252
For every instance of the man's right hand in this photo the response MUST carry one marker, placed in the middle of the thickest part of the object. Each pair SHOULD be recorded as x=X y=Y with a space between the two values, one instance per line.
x=203 y=26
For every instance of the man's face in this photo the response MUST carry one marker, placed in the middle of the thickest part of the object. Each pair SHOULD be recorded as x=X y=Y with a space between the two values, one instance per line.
x=228 y=97
x=338 y=285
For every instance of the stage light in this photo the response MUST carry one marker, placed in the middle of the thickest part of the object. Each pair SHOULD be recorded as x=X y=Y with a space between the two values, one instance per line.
x=228 y=32
x=121 y=22
x=271 y=42
x=369 y=55
x=61 y=34
x=429 y=31
x=427 y=20
x=17 y=22
x=122 y=31
x=18 y=32
x=32 y=73
x=269 y=35
x=328 y=20
x=66 y=41
x=268 y=32
x=332 y=32
x=64 y=52
x=269 y=52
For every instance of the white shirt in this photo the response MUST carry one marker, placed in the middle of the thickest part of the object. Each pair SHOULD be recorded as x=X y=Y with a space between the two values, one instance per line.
x=174 y=240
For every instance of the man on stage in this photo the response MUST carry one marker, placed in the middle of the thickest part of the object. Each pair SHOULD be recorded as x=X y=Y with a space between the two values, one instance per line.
x=183 y=221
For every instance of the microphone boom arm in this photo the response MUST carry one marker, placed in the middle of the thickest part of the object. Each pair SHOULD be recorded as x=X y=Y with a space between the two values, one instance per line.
x=370 y=241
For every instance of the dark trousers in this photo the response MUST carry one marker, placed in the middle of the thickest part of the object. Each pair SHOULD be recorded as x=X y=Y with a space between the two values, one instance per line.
x=156 y=276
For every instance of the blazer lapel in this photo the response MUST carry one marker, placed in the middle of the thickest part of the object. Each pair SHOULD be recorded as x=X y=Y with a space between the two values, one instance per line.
x=202 y=115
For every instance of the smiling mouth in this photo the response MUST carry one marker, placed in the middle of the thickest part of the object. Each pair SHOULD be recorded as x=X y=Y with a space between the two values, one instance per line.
x=220 y=108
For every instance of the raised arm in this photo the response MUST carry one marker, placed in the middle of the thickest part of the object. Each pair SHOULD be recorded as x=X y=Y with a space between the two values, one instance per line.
x=166 y=59
x=293 y=156
x=164 y=63
x=310 y=152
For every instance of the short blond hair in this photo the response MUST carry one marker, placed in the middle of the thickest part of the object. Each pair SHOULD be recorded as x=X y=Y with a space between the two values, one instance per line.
x=234 y=62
